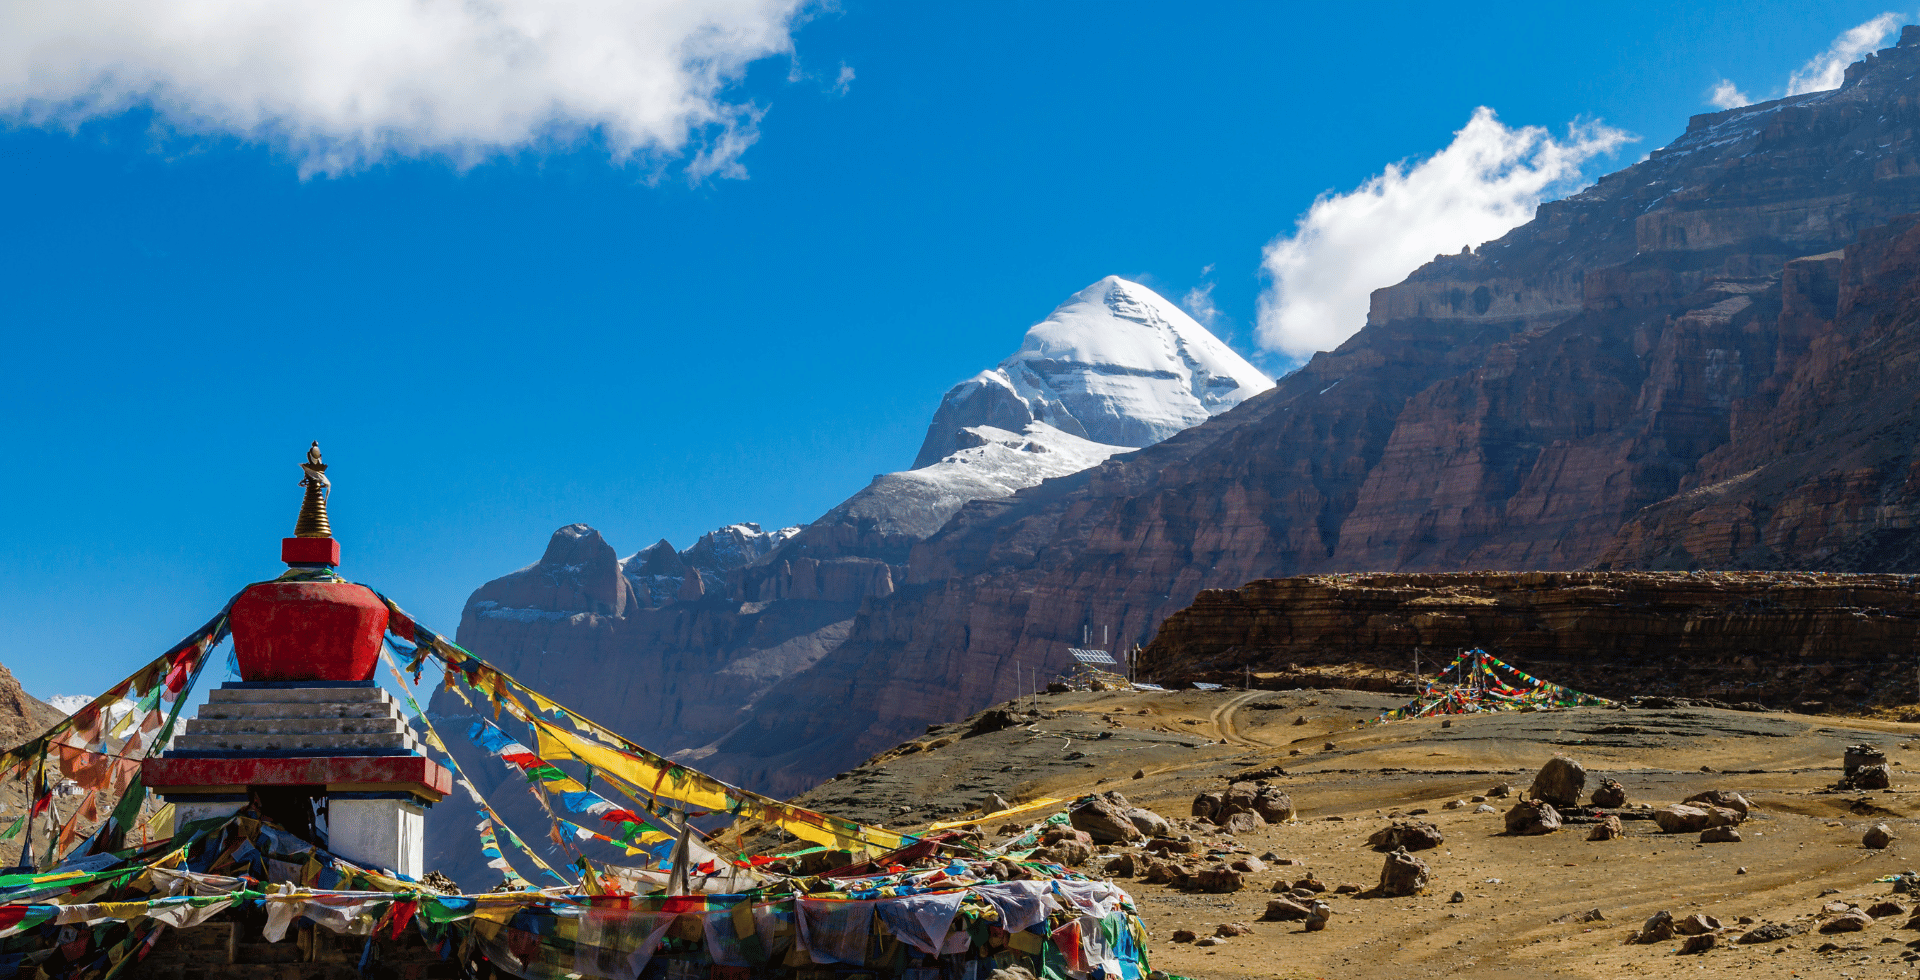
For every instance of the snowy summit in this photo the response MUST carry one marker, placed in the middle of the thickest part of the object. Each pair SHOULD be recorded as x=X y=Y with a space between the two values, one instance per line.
x=1115 y=367
x=1116 y=364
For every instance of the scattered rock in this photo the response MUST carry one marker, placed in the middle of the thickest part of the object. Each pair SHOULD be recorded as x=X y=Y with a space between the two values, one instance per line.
x=1559 y=782
x=1770 y=932
x=1403 y=874
x=1120 y=867
x=1183 y=935
x=1284 y=910
x=1657 y=929
x=1139 y=774
x=1327 y=747
x=1695 y=924
x=1678 y=818
x=1846 y=922
x=1167 y=845
x=1347 y=888
x=1720 y=835
x=1720 y=816
x=1476 y=799
x=1878 y=836
x=1243 y=823
x=1532 y=817
x=1699 y=944
x=1610 y=794
x=1591 y=915
x=1312 y=884
x=1457 y=897
x=1069 y=853
x=1453 y=805
x=1249 y=865
x=1886 y=910
x=1219 y=880
x=998 y=719
x=1320 y=913
x=1504 y=789
x=1722 y=798
x=1412 y=835
x=1230 y=929
x=1484 y=808
x=1607 y=829
x=1211 y=941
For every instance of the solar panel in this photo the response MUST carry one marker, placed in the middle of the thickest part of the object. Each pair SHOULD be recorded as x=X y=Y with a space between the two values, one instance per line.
x=1144 y=686
x=1204 y=686
x=1092 y=656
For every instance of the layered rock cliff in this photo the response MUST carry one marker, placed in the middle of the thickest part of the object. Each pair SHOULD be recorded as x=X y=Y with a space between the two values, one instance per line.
x=1814 y=641
x=1513 y=407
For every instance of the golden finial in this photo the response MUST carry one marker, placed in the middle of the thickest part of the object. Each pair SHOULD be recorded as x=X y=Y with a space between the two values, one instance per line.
x=313 y=509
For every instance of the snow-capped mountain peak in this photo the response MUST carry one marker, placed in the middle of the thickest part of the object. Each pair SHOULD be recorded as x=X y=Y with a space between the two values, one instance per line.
x=1115 y=364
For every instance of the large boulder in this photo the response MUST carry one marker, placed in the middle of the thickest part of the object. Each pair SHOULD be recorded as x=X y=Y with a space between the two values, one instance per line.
x=1532 y=817
x=1403 y=874
x=1273 y=805
x=1241 y=823
x=1105 y=820
x=1284 y=910
x=1607 y=829
x=1068 y=853
x=1877 y=837
x=1219 y=880
x=1559 y=782
x=1679 y=818
x=1720 y=798
x=1206 y=805
x=1853 y=921
x=1148 y=822
x=1412 y=835
x=1871 y=777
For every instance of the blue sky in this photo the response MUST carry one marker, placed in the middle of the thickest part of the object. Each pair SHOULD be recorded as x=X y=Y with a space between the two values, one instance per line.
x=494 y=345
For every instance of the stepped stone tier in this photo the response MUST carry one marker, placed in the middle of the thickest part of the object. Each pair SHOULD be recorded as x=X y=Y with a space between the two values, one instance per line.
x=1804 y=640
x=306 y=735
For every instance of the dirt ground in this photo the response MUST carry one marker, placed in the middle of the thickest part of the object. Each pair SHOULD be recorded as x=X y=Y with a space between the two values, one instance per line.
x=1802 y=842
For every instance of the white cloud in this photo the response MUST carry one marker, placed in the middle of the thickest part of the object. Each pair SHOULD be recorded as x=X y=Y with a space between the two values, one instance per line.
x=1726 y=96
x=842 y=83
x=1199 y=300
x=1489 y=179
x=342 y=84
x=1829 y=68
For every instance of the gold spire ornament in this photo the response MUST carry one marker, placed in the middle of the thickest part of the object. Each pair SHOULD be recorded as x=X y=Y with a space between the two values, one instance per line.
x=313 y=509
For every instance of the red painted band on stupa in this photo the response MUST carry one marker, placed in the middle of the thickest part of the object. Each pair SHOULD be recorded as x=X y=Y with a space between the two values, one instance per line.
x=308 y=631
x=310 y=551
x=165 y=774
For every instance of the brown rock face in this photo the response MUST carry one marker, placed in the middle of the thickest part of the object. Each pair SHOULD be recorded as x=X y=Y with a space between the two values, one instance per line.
x=1776 y=637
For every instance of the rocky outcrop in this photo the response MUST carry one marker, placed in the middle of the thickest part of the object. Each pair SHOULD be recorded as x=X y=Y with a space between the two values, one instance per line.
x=1779 y=638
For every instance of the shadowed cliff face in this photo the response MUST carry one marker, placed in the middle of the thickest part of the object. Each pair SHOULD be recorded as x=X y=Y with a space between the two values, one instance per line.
x=1782 y=639
x=1511 y=408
